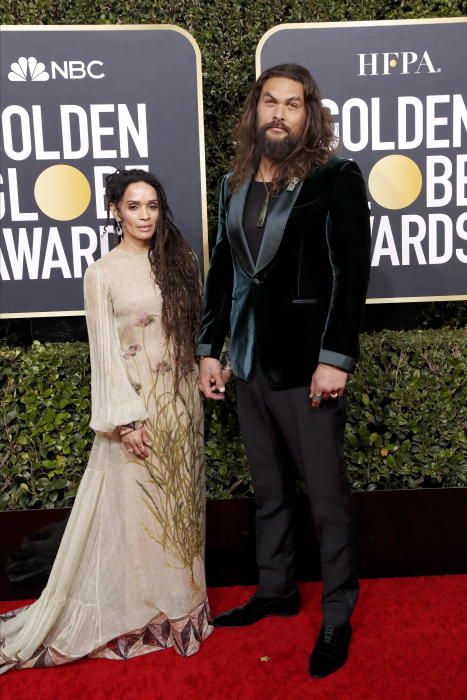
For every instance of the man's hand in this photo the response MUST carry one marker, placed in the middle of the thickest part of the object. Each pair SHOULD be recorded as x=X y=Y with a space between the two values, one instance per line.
x=135 y=442
x=327 y=382
x=212 y=378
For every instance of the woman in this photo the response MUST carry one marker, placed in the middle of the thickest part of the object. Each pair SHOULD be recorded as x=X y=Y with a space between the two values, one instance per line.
x=129 y=575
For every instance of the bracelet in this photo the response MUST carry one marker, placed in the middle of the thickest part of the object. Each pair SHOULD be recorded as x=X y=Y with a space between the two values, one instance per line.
x=129 y=427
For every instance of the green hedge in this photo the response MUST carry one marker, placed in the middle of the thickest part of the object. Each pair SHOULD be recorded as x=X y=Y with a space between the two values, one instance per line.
x=406 y=420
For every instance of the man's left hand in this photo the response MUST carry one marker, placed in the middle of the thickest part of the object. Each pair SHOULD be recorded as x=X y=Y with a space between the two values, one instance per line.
x=327 y=382
x=212 y=378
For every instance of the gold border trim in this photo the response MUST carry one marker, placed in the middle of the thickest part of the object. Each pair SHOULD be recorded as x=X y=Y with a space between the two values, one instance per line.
x=330 y=25
x=202 y=144
x=43 y=314
x=404 y=300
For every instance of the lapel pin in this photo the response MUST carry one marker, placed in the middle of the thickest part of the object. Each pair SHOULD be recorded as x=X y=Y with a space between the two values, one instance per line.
x=292 y=184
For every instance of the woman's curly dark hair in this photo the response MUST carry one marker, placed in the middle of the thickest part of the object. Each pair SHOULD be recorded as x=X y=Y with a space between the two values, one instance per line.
x=174 y=268
x=316 y=145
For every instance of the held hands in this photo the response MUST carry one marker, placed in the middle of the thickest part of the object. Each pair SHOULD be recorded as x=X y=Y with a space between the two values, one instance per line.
x=212 y=378
x=327 y=382
x=135 y=442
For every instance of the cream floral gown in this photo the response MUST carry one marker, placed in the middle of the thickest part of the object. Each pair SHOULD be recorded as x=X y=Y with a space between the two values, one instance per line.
x=129 y=575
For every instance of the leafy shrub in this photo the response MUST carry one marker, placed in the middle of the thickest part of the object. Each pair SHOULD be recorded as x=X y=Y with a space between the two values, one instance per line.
x=406 y=420
x=45 y=411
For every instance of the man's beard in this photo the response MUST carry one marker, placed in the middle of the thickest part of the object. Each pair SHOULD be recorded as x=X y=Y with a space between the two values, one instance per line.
x=276 y=149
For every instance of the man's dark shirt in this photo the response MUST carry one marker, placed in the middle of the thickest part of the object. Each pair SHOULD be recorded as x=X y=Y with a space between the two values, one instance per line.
x=253 y=205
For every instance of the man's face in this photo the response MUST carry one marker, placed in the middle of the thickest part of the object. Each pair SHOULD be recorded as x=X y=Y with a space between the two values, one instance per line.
x=280 y=117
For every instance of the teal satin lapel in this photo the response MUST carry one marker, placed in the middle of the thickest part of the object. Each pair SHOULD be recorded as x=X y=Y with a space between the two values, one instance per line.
x=275 y=226
x=236 y=234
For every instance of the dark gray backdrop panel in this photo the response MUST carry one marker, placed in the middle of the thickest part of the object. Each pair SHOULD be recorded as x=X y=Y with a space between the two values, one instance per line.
x=155 y=67
x=330 y=53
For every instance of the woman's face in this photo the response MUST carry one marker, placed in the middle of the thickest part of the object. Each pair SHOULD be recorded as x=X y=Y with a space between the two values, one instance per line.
x=138 y=212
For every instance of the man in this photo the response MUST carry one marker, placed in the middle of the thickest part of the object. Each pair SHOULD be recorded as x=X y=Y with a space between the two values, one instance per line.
x=289 y=274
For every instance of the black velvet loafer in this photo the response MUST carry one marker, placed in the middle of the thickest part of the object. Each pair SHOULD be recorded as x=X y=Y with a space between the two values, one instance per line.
x=257 y=608
x=331 y=650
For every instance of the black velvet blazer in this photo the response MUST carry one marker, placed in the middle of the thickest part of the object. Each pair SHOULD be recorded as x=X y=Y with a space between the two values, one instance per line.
x=302 y=302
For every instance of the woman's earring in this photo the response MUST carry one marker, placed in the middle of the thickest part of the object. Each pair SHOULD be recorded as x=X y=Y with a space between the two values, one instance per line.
x=118 y=229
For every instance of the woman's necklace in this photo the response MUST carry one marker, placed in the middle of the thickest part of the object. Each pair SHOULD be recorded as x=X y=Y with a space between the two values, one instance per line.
x=264 y=209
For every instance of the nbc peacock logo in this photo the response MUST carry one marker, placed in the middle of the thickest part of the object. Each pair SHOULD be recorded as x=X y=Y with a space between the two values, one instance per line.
x=25 y=69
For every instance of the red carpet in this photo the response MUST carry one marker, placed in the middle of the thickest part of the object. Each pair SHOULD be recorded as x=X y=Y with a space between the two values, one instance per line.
x=410 y=642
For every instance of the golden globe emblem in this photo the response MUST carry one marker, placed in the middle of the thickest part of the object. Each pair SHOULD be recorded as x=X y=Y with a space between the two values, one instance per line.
x=62 y=192
x=395 y=182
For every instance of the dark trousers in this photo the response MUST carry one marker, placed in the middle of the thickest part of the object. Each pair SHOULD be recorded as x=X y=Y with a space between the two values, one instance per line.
x=284 y=436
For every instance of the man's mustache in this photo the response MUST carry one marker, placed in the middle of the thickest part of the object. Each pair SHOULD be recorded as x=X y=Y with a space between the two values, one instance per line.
x=275 y=125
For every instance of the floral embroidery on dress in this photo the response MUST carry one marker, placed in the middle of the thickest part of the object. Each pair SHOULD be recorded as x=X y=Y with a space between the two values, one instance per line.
x=162 y=367
x=173 y=490
x=145 y=319
x=131 y=351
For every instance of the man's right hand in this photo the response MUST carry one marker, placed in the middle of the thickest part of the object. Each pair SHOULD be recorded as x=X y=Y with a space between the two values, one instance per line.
x=212 y=379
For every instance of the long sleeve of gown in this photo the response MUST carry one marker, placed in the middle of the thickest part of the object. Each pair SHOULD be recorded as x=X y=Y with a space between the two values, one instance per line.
x=114 y=400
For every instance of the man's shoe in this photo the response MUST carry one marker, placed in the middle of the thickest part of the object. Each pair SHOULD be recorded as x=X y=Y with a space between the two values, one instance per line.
x=257 y=608
x=331 y=650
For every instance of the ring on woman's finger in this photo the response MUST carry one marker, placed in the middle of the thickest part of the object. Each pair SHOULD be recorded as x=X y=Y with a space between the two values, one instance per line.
x=130 y=450
x=334 y=396
x=316 y=397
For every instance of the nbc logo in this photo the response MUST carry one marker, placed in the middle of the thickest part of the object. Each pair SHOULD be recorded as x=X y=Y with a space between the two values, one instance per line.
x=27 y=69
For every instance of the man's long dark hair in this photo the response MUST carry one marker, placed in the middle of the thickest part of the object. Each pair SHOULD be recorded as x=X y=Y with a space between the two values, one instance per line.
x=174 y=268
x=315 y=147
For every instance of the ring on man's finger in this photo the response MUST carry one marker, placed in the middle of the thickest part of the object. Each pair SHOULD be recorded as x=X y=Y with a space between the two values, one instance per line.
x=316 y=397
x=334 y=396
x=130 y=450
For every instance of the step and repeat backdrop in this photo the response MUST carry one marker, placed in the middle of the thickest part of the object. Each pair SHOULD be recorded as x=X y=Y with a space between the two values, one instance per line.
x=397 y=91
x=77 y=103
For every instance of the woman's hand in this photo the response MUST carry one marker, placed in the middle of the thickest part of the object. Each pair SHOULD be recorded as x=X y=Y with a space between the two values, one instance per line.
x=135 y=442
